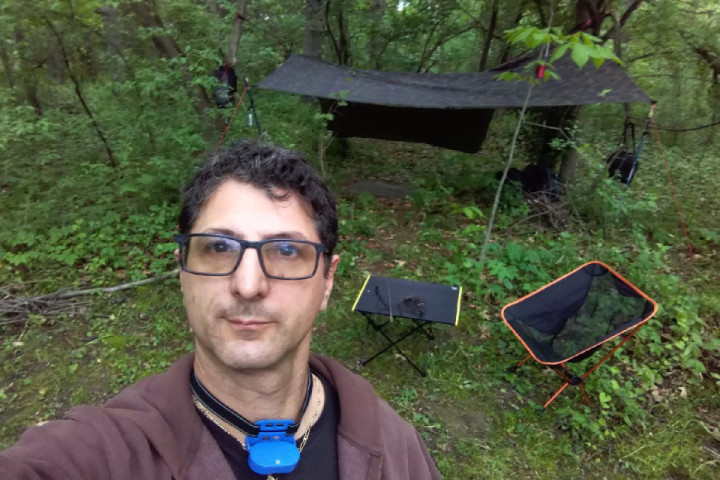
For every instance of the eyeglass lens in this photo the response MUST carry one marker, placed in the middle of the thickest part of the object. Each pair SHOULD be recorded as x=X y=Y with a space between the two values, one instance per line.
x=219 y=255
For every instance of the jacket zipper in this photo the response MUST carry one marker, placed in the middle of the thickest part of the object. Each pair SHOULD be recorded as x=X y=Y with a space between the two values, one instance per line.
x=380 y=469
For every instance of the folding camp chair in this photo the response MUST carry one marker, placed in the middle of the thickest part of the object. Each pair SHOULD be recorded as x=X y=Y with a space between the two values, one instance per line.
x=569 y=319
x=383 y=300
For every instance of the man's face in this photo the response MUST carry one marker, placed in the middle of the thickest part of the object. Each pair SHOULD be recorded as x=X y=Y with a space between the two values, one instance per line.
x=246 y=320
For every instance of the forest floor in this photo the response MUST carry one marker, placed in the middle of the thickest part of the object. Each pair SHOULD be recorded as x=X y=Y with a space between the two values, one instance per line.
x=478 y=420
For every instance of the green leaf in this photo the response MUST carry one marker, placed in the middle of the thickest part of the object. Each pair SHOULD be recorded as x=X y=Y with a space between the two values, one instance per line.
x=590 y=38
x=505 y=76
x=551 y=74
x=580 y=54
x=519 y=34
x=537 y=38
x=598 y=61
x=559 y=52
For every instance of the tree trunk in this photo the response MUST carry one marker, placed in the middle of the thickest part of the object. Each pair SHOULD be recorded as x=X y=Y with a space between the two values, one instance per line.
x=589 y=15
x=314 y=28
x=515 y=16
x=489 y=36
x=236 y=32
x=7 y=66
x=167 y=47
x=31 y=95
x=113 y=35
x=56 y=66
x=377 y=13
x=340 y=45
x=27 y=76
x=343 y=37
x=568 y=167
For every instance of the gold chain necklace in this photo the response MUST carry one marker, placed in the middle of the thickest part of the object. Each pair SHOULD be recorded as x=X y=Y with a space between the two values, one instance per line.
x=305 y=436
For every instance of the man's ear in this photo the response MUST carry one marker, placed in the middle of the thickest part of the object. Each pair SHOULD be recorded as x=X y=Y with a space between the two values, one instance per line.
x=176 y=253
x=329 y=280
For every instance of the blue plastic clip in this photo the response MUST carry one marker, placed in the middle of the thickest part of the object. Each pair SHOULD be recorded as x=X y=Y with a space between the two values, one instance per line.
x=273 y=450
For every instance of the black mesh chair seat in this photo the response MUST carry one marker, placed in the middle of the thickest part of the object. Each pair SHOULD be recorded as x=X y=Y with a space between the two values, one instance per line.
x=569 y=319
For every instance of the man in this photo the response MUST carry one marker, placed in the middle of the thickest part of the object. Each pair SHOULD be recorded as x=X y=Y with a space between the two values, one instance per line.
x=258 y=229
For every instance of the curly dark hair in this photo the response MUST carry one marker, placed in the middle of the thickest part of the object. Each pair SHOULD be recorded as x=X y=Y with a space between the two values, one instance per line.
x=269 y=168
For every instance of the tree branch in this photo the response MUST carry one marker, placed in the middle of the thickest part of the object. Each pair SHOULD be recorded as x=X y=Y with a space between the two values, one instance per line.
x=648 y=55
x=78 y=91
x=426 y=55
x=423 y=58
x=335 y=45
x=712 y=58
x=623 y=19
x=489 y=36
x=116 y=288
x=49 y=303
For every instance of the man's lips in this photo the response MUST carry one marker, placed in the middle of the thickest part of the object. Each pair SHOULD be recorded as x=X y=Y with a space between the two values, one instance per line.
x=248 y=323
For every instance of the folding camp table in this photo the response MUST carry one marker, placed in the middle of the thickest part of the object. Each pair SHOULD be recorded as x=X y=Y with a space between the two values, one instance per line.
x=383 y=300
x=570 y=318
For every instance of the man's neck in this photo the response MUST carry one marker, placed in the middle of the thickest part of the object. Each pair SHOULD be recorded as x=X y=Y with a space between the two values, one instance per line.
x=276 y=393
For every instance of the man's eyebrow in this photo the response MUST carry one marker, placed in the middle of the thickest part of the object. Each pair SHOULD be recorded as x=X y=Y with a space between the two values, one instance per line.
x=294 y=235
x=290 y=234
x=222 y=231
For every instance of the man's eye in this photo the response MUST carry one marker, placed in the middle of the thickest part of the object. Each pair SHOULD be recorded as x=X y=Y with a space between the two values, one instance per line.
x=288 y=250
x=285 y=250
x=220 y=246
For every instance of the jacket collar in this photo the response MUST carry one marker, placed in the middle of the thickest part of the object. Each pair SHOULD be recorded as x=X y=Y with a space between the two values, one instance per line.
x=359 y=408
x=178 y=433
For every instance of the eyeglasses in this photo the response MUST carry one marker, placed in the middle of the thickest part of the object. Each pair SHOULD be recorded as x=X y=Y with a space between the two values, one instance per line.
x=219 y=255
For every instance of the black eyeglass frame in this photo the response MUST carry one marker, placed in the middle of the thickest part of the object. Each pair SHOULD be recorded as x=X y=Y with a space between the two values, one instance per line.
x=181 y=238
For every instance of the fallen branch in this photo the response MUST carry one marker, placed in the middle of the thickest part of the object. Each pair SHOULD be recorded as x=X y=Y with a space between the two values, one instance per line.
x=59 y=302
x=117 y=288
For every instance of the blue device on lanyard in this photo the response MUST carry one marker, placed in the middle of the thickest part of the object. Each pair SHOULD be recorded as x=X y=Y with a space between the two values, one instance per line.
x=270 y=443
x=273 y=450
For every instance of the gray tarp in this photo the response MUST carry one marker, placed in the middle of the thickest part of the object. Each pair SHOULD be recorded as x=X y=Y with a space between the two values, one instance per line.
x=451 y=110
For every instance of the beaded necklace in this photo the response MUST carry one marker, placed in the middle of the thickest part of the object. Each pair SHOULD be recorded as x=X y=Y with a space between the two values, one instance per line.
x=316 y=391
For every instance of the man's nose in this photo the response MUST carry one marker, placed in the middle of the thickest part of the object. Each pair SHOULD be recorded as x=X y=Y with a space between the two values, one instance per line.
x=249 y=280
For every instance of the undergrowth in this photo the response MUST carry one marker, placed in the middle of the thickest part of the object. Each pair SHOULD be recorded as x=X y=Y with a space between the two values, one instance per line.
x=71 y=220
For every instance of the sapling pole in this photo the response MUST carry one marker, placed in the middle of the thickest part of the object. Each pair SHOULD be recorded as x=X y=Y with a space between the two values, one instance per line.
x=488 y=231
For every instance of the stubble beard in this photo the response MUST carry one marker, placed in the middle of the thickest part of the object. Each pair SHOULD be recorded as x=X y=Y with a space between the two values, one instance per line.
x=237 y=351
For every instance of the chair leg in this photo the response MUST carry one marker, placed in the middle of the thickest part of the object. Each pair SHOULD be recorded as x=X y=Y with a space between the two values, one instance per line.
x=582 y=389
x=513 y=368
x=569 y=379
x=523 y=361
x=556 y=394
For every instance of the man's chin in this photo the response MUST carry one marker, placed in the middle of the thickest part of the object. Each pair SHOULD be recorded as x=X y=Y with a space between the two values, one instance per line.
x=249 y=359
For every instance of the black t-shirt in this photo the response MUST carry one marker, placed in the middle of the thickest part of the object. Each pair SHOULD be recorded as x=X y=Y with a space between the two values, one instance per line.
x=318 y=458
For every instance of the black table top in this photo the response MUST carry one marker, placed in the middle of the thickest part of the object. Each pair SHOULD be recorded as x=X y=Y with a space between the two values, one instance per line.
x=430 y=302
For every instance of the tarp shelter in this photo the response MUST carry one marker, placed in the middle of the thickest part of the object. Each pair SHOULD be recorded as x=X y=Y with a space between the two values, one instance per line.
x=450 y=110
